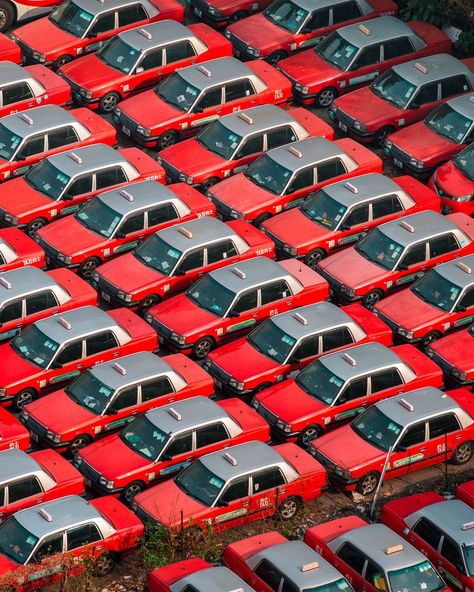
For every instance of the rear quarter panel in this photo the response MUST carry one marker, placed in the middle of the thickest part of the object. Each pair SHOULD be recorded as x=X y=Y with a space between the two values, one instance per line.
x=375 y=328
x=218 y=45
x=195 y=201
x=253 y=424
x=313 y=124
x=81 y=291
x=129 y=528
x=193 y=374
x=278 y=85
x=254 y=237
x=52 y=83
x=312 y=474
x=145 y=165
x=465 y=224
x=163 y=578
x=394 y=512
x=307 y=277
x=364 y=157
x=421 y=364
x=435 y=39
x=63 y=472
x=465 y=492
x=100 y=130
x=425 y=198
x=319 y=536
x=143 y=336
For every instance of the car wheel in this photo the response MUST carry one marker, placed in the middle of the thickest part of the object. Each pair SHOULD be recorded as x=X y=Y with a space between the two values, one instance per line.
x=167 y=139
x=368 y=483
x=314 y=257
x=239 y=15
x=308 y=435
x=429 y=338
x=208 y=184
x=103 y=565
x=261 y=219
x=276 y=57
x=289 y=508
x=7 y=15
x=23 y=398
x=132 y=489
x=77 y=444
x=62 y=61
x=108 y=102
x=325 y=97
x=463 y=453
x=202 y=348
x=381 y=134
x=33 y=226
x=147 y=302
x=372 y=298
x=87 y=267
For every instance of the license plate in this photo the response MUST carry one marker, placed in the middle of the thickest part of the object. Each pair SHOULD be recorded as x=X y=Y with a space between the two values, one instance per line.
x=88 y=482
x=34 y=436
x=218 y=383
x=125 y=130
x=105 y=296
x=343 y=126
x=198 y=12
x=398 y=163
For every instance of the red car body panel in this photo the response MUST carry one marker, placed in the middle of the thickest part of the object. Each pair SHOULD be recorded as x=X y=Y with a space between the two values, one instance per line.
x=9 y=50
x=228 y=10
x=163 y=578
x=455 y=354
x=450 y=183
x=465 y=492
x=12 y=433
x=27 y=251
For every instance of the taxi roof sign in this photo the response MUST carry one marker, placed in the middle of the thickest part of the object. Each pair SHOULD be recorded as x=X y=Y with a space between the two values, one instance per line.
x=146 y=34
x=393 y=549
x=463 y=267
x=46 y=515
x=205 y=71
x=5 y=283
x=239 y=273
x=230 y=459
x=73 y=156
x=407 y=226
x=300 y=318
x=246 y=118
x=352 y=188
x=364 y=29
x=175 y=414
x=295 y=152
x=349 y=359
x=185 y=232
x=26 y=118
x=120 y=369
x=65 y=323
x=408 y=406
x=128 y=196
x=309 y=566
x=421 y=68
x=467 y=525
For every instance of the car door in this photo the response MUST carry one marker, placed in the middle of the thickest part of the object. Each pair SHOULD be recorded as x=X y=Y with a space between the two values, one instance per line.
x=16 y=97
x=122 y=409
x=22 y=493
x=29 y=153
x=47 y=564
x=60 y=138
x=100 y=30
x=130 y=233
x=275 y=297
x=208 y=107
x=351 y=401
x=330 y=171
x=83 y=544
x=305 y=352
x=211 y=437
x=412 y=265
x=444 y=436
x=411 y=451
x=232 y=507
x=250 y=149
x=190 y=268
x=350 y=561
x=108 y=178
x=374 y=577
x=178 y=454
x=354 y=225
x=268 y=489
x=385 y=383
x=223 y=252
x=43 y=304
x=450 y=563
x=161 y=216
x=384 y=209
x=11 y=319
x=100 y=347
x=156 y=392
x=443 y=248
x=315 y=28
x=365 y=68
x=78 y=192
x=301 y=184
x=424 y=101
x=426 y=537
x=240 y=94
x=267 y=578
x=131 y=16
x=243 y=315
x=464 y=309
x=148 y=72
x=68 y=362
x=178 y=55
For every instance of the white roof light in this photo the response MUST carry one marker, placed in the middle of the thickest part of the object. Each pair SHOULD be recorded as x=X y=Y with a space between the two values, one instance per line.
x=120 y=369
x=175 y=414
x=239 y=273
x=408 y=406
x=246 y=118
x=364 y=29
x=349 y=359
x=128 y=196
x=65 y=323
x=309 y=566
x=46 y=515
x=300 y=318
x=26 y=118
x=407 y=226
x=393 y=549
x=73 y=156
x=352 y=188
x=421 y=68
x=467 y=525
x=464 y=267
x=230 y=459
x=295 y=152
x=185 y=232
x=205 y=71
x=145 y=34
x=5 y=283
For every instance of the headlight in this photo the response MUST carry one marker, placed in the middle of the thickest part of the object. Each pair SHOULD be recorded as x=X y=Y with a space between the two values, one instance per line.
x=64 y=258
x=3 y=392
x=95 y=276
x=11 y=219
x=178 y=338
x=25 y=415
x=283 y=426
x=106 y=483
x=214 y=11
x=405 y=333
x=117 y=111
x=124 y=296
x=253 y=51
x=237 y=215
x=134 y=506
x=85 y=93
x=255 y=403
x=186 y=179
x=360 y=126
x=302 y=89
x=463 y=197
x=291 y=250
x=78 y=460
x=143 y=131
x=462 y=376
x=348 y=291
x=54 y=437
x=416 y=163
x=40 y=57
x=343 y=474
x=237 y=385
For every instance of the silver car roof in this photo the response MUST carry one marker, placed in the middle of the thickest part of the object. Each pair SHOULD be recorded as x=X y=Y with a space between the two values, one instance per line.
x=10 y=73
x=463 y=105
x=380 y=29
x=14 y=463
x=42 y=118
x=424 y=225
x=143 y=194
x=311 y=5
x=374 y=539
x=203 y=230
x=262 y=118
x=186 y=414
x=250 y=456
x=24 y=280
x=459 y=272
x=363 y=188
x=162 y=33
x=133 y=368
x=87 y=319
x=297 y=562
x=310 y=319
x=86 y=159
x=437 y=66
x=257 y=270
x=213 y=579
x=312 y=150
x=65 y=511
x=426 y=402
x=222 y=70
x=96 y=7
x=360 y=359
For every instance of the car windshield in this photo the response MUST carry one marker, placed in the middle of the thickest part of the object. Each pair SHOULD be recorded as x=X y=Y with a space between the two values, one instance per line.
x=323 y=209
x=394 y=89
x=219 y=139
x=464 y=162
x=380 y=249
x=285 y=14
x=375 y=427
x=421 y=577
x=175 y=91
x=16 y=542
x=336 y=51
x=145 y=438
x=118 y=55
x=340 y=585
x=319 y=382
x=449 y=123
x=89 y=392
x=200 y=483
x=71 y=18
x=47 y=179
x=36 y=347
x=9 y=143
x=469 y=558
x=98 y=217
x=211 y=296
x=436 y=290
x=158 y=254
x=267 y=173
x=271 y=341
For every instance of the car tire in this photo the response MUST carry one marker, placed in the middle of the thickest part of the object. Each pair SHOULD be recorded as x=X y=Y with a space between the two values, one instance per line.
x=237 y=16
x=289 y=508
x=87 y=267
x=103 y=565
x=307 y=435
x=382 y=133
x=7 y=15
x=167 y=139
x=108 y=102
x=62 y=61
x=463 y=453
x=325 y=98
x=146 y=303
x=32 y=227
x=202 y=347
x=429 y=338
x=208 y=183
x=314 y=257
x=77 y=444
x=261 y=219
x=367 y=484
x=372 y=297
x=130 y=491
x=276 y=57
x=23 y=398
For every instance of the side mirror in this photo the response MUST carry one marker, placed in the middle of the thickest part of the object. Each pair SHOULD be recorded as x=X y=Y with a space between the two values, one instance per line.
x=414 y=106
x=234 y=314
x=198 y=109
x=345 y=226
x=113 y=411
x=179 y=272
x=21 y=157
x=139 y=70
x=166 y=457
x=295 y=360
x=92 y=35
x=400 y=448
x=121 y=234
x=402 y=267
x=56 y=365
x=461 y=308
x=67 y=197
x=223 y=503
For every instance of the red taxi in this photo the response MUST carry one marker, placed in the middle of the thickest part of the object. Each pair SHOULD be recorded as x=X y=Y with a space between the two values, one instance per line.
x=219 y=13
x=18 y=250
x=12 y=433
x=227 y=302
x=455 y=355
x=194 y=96
x=288 y=342
x=9 y=50
x=465 y=492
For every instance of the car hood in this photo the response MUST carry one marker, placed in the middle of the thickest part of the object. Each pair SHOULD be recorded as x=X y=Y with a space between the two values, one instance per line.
x=60 y=413
x=450 y=179
x=90 y=72
x=192 y=159
x=112 y=458
x=149 y=110
x=45 y=37
x=30 y=201
x=251 y=362
x=79 y=238
x=308 y=68
x=14 y=368
x=138 y=276
x=457 y=351
x=420 y=142
x=366 y=107
x=289 y=402
x=182 y=316
x=309 y=232
x=409 y=311
x=344 y=448
x=258 y=31
x=239 y=193
x=352 y=269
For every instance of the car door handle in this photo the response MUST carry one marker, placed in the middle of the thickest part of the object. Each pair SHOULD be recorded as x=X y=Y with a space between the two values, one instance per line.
x=115 y=354
x=79 y=365
x=189 y=459
x=289 y=302
x=141 y=237
x=134 y=412
x=245 y=504
x=171 y=400
x=364 y=403
x=19 y=326
x=366 y=229
x=422 y=449
x=40 y=500
x=255 y=314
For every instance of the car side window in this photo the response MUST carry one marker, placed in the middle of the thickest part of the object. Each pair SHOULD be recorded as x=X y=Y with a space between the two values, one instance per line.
x=468 y=299
x=80 y=186
x=11 y=311
x=126 y=398
x=70 y=353
x=32 y=146
x=251 y=146
x=104 y=23
x=330 y=170
x=23 y=488
x=352 y=556
x=385 y=379
x=367 y=57
x=428 y=532
x=336 y=338
x=358 y=215
x=301 y=180
x=281 y=136
x=451 y=551
x=112 y=176
x=192 y=260
x=211 y=434
x=427 y=94
x=267 y=479
x=82 y=535
x=180 y=445
x=42 y=301
x=269 y=574
x=157 y=387
x=179 y=51
x=100 y=342
x=308 y=347
x=444 y=424
x=162 y=214
x=210 y=98
x=220 y=251
x=246 y=301
x=344 y=12
x=390 y=204
x=133 y=223
x=50 y=546
x=375 y=576
x=415 y=254
x=275 y=291
x=153 y=59
x=319 y=19
x=396 y=48
x=443 y=244
x=238 y=90
x=62 y=137
x=237 y=489
x=14 y=93
x=355 y=389
x=131 y=14
x=454 y=85
x=413 y=435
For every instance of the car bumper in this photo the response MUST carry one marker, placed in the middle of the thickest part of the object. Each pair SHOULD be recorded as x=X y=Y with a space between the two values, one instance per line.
x=280 y=436
x=201 y=11
x=165 y=340
x=347 y=128
x=140 y=139
x=110 y=298
x=80 y=100
x=404 y=165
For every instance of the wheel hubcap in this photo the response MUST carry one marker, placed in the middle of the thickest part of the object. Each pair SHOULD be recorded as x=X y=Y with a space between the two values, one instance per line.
x=132 y=492
x=368 y=485
x=104 y=565
x=3 y=18
x=88 y=268
x=309 y=436
x=34 y=228
x=464 y=453
x=167 y=141
x=313 y=260
x=429 y=339
x=23 y=399
x=372 y=298
x=109 y=102
x=78 y=445
x=326 y=97
x=289 y=509
x=203 y=349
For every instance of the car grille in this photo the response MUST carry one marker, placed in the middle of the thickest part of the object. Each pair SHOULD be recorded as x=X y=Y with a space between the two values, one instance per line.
x=335 y=284
x=89 y=472
x=74 y=87
x=400 y=154
x=222 y=208
x=49 y=250
x=171 y=171
x=440 y=192
x=268 y=415
x=25 y=49
x=394 y=326
x=238 y=44
x=328 y=464
x=107 y=286
x=37 y=427
x=163 y=330
x=218 y=373
x=344 y=118
x=128 y=122
x=442 y=363
x=144 y=516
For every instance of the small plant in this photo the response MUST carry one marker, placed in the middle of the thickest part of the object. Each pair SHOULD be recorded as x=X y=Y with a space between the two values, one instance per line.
x=431 y=11
x=464 y=46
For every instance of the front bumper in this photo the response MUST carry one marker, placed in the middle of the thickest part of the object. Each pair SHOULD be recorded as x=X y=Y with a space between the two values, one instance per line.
x=334 y=479
x=108 y=293
x=401 y=160
x=164 y=338
x=128 y=128
x=201 y=10
x=346 y=125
